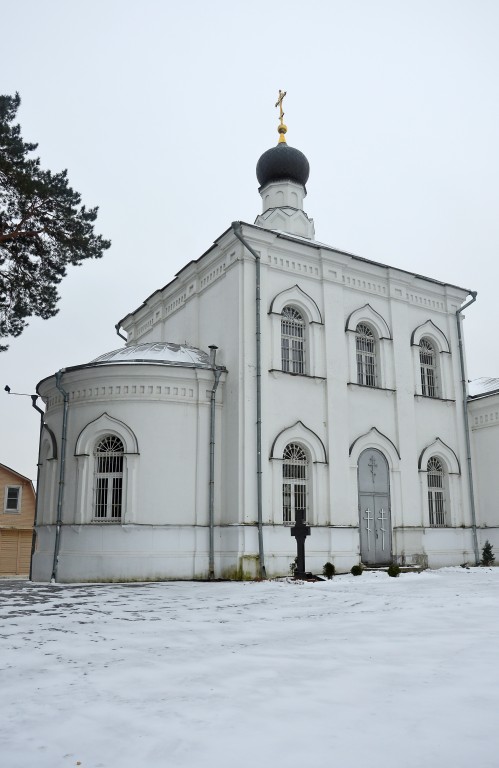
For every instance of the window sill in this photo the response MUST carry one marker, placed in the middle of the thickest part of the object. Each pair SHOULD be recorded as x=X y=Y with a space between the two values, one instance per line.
x=11 y=511
x=438 y=399
x=105 y=521
x=298 y=375
x=367 y=386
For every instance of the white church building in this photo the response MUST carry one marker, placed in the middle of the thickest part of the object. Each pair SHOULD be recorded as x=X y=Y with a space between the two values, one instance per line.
x=313 y=382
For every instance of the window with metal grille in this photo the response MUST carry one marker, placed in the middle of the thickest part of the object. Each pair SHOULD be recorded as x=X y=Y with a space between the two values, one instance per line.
x=428 y=365
x=436 y=492
x=294 y=482
x=108 y=479
x=365 y=344
x=12 y=499
x=292 y=341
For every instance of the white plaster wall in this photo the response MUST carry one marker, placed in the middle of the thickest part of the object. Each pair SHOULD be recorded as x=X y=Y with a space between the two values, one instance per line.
x=219 y=307
x=484 y=426
x=165 y=483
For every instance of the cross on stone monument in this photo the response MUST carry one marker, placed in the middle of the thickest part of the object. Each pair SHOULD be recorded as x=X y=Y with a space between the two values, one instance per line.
x=300 y=531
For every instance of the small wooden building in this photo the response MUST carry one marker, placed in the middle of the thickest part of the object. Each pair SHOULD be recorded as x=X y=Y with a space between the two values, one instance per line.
x=17 y=515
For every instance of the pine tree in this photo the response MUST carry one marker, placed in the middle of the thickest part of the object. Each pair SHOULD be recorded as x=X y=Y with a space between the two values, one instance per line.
x=43 y=228
x=488 y=556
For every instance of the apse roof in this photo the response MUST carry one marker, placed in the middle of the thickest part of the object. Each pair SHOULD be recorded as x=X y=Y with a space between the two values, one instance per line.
x=483 y=386
x=161 y=352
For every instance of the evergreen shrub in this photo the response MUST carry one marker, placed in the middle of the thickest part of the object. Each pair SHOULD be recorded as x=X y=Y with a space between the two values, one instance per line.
x=488 y=556
x=394 y=570
x=328 y=570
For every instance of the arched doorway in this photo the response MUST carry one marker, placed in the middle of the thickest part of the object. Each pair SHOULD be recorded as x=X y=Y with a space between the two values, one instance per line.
x=374 y=508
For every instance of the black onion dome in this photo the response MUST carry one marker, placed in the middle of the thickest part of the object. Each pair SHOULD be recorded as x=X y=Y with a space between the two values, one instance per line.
x=282 y=163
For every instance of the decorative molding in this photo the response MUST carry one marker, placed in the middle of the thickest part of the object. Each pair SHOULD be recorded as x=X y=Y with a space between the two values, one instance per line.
x=369 y=315
x=53 y=441
x=299 y=433
x=100 y=426
x=489 y=419
x=296 y=295
x=127 y=391
x=429 y=328
x=364 y=284
x=374 y=432
x=443 y=451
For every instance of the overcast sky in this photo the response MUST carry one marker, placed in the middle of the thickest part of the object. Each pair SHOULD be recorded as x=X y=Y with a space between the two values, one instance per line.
x=160 y=110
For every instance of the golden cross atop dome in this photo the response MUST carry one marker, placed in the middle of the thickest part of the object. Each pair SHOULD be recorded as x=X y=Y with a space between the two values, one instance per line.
x=282 y=129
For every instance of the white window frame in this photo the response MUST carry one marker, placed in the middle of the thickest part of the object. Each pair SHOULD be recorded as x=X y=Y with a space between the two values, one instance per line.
x=86 y=442
x=313 y=350
x=295 y=477
x=367 y=355
x=10 y=511
x=383 y=347
x=443 y=373
x=293 y=341
x=108 y=480
x=436 y=482
x=428 y=367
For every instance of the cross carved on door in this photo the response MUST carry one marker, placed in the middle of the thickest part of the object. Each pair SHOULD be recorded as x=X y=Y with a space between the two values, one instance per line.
x=372 y=466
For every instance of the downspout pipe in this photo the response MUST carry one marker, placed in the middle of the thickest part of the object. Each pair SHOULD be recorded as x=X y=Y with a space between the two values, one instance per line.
x=117 y=327
x=62 y=467
x=217 y=372
x=34 y=398
x=473 y=295
x=236 y=226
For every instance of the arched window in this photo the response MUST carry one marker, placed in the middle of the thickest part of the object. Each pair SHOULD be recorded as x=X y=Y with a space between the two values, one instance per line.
x=428 y=366
x=292 y=341
x=365 y=343
x=436 y=492
x=108 y=479
x=294 y=482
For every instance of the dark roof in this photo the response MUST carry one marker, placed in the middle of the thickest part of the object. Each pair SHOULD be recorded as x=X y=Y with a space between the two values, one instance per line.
x=282 y=163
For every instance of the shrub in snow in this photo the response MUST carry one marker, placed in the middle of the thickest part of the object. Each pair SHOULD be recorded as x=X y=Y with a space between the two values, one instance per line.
x=393 y=570
x=488 y=556
x=356 y=570
x=328 y=570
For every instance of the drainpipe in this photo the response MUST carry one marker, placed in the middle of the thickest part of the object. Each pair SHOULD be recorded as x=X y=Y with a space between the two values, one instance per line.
x=34 y=398
x=466 y=425
x=211 y=514
x=236 y=226
x=117 y=326
x=58 y=378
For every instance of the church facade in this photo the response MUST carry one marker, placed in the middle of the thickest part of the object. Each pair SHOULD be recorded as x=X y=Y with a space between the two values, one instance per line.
x=314 y=383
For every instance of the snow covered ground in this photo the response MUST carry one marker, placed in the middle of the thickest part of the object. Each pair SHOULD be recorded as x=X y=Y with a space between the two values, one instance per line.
x=370 y=671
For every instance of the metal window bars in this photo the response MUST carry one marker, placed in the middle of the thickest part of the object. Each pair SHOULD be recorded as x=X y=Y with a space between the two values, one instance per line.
x=292 y=341
x=294 y=486
x=428 y=369
x=436 y=494
x=365 y=344
x=109 y=479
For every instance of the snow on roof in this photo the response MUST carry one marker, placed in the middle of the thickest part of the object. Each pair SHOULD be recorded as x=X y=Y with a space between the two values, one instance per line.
x=483 y=386
x=161 y=352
